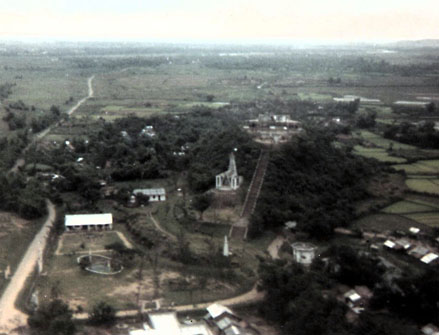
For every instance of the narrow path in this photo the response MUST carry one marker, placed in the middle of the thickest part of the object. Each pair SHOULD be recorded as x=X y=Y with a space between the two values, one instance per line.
x=80 y=102
x=10 y=317
x=240 y=228
x=160 y=228
x=273 y=248
x=249 y=297
x=125 y=241
x=20 y=161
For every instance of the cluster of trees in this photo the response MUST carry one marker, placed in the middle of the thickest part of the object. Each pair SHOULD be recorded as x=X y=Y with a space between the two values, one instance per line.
x=6 y=90
x=422 y=135
x=303 y=301
x=366 y=119
x=21 y=195
x=15 y=121
x=11 y=147
x=313 y=182
x=56 y=318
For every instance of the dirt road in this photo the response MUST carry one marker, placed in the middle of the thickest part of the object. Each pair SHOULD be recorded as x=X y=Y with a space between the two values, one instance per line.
x=273 y=248
x=20 y=161
x=10 y=317
x=80 y=102
x=160 y=228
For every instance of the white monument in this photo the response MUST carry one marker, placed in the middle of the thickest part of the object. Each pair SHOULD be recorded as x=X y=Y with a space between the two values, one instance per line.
x=229 y=180
x=226 y=247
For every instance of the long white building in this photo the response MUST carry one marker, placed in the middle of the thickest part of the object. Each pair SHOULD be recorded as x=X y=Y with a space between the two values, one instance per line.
x=87 y=222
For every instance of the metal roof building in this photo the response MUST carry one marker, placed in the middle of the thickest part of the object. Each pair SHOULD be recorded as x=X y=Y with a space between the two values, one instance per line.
x=88 y=222
x=154 y=194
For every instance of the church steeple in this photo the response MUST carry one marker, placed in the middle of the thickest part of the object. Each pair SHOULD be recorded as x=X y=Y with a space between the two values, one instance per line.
x=232 y=165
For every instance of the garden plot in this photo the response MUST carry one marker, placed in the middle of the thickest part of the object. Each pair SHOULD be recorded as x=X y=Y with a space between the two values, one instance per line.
x=379 y=154
x=429 y=185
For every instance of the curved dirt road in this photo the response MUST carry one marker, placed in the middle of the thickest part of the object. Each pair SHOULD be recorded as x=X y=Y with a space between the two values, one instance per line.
x=10 y=317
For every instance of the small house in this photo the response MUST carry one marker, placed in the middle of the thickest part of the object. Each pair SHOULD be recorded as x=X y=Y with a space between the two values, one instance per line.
x=429 y=258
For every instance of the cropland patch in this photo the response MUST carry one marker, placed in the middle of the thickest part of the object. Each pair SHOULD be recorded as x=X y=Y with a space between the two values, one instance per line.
x=379 y=154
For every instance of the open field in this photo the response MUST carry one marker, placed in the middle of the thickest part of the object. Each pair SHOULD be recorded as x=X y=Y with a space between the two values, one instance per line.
x=387 y=222
x=424 y=185
x=85 y=242
x=43 y=81
x=420 y=167
x=378 y=153
x=407 y=207
x=382 y=142
x=16 y=235
x=429 y=219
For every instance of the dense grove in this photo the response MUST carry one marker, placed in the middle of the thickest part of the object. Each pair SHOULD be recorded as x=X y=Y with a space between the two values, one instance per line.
x=313 y=182
x=422 y=135
x=305 y=302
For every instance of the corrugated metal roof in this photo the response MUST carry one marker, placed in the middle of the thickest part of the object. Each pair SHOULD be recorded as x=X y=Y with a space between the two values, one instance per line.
x=217 y=309
x=150 y=191
x=429 y=258
x=88 y=219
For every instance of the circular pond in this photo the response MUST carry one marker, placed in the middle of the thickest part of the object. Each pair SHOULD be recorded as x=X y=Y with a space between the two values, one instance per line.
x=99 y=264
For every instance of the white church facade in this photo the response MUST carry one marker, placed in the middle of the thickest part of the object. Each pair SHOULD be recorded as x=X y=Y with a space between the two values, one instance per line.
x=229 y=180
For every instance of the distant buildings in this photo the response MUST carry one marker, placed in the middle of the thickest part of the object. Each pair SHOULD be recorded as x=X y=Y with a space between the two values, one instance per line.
x=219 y=320
x=166 y=323
x=273 y=129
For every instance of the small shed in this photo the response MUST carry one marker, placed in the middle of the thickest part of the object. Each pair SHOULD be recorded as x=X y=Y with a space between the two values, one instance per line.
x=154 y=194
x=303 y=253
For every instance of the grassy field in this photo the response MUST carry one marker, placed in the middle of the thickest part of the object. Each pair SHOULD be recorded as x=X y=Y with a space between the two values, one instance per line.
x=43 y=81
x=16 y=235
x=386 y=222
x=429 y=219
x=420 y=167
x=407 y=207
x=378 y=153
x=424 y=185
x=381 y=141
x=83 y=242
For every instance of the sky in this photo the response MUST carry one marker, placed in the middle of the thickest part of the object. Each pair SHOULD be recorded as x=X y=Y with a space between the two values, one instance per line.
x=298 y=20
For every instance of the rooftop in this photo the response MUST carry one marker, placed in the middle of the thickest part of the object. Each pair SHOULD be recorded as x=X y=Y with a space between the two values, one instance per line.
x=88 y=219
x=150 y=191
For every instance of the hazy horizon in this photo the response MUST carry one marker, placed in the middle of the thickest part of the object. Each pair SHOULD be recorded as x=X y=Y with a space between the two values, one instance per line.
x=300 y=21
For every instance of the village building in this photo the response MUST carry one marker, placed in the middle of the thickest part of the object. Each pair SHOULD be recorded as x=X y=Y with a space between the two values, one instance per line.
x=430 y=258
x=148 y=131
x=304 y=253
x=223 y=321
x=430 y=329
x=229 y=180
x=87 y=222
x=271 y=128
x=166 y=323
x=154 y=194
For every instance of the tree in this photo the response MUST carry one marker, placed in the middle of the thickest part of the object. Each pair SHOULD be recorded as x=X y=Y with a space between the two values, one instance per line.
x=103 y=314
x=431 y=107
x=201 y=203
x=53 y=318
